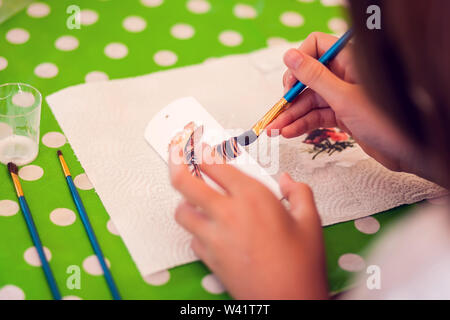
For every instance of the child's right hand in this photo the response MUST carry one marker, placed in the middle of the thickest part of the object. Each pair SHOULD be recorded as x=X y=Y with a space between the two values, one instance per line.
x=334 y=99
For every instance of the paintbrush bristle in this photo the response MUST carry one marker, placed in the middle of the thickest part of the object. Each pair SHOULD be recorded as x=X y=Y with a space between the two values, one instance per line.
x=247 y=138
x=12 y=168
x=59 y=153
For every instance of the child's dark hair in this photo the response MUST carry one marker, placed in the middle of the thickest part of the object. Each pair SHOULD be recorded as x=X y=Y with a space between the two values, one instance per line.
x=405 y=67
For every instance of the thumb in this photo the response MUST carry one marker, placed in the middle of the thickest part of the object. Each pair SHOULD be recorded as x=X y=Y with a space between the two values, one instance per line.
x=317 y=76
x=301 y=199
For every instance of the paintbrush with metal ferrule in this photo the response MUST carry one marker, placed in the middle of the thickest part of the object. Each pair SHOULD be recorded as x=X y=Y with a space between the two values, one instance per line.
x=229 y=148
x=13 y=170
x=88 y=227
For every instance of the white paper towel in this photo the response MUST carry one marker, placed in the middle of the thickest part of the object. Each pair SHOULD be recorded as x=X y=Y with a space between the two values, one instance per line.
x=105 y=122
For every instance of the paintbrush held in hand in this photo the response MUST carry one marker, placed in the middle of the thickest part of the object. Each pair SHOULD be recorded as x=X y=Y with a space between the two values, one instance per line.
x=229 y=147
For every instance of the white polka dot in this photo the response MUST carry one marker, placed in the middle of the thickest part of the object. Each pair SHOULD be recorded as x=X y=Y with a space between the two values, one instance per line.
x=151 y=3
x=276 y=41
x=368 y=225
x=198 y=6
x=82 y=182
x=71 y=298
x=182 y=31
x=38 y=10
x=112 y=228
x=213 y=285
x=244 y=11
x=8 y=208
x=23 y=99
x=17 y=36
x=31 y=172
x=3 y=63
x=165 y=58
x=62 y=217
x=32 y=258
x=230 y=38
x=46 y=70
x=66 y=43
x=11 y=292
x=292 y=19
x=92 y=266
x=5 y=130
x=158 y=279
x=338 y=25
x=54 y=139
x=95 y=76
x=88 y=17
x=134 y=24
x=332 y=3
x=116 y=50
x=351 y=262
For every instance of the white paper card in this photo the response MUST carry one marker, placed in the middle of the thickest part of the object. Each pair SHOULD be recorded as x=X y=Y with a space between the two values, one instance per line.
x=170 y=120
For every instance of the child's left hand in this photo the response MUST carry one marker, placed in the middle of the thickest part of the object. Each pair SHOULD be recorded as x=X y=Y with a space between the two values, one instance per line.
x=257 y=248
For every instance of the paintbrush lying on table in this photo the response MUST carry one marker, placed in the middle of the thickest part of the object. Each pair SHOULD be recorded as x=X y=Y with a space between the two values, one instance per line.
x=88 y=227
x=13 y=170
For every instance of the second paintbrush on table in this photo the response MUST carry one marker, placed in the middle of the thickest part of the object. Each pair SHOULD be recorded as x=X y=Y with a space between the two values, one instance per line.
x=88 y=227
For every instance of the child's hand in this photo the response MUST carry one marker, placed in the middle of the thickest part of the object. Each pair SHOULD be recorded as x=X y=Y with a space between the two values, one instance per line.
x=255 y=246
x=335 y=100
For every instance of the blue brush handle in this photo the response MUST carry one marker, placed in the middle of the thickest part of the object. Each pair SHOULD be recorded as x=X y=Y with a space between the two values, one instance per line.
x=325 y=59
x=40 y=250
x=92 y=238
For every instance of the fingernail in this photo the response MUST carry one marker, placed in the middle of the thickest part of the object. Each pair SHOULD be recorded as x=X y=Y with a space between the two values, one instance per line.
x=293 y=58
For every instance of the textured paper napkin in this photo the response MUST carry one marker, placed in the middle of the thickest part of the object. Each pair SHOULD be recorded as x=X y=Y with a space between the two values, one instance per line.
x=105 y=124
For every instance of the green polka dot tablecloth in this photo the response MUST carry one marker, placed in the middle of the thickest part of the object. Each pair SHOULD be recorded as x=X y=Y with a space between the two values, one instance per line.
x=118 y=39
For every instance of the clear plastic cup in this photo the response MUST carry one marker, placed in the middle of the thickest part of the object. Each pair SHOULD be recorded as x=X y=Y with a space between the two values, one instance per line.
x=20 y=114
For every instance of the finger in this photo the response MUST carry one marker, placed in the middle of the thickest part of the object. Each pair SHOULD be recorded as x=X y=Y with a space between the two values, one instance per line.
x=195 y=190
x=300 y=197
x=317 y=76
x=317 y=118
x=301 y=107
x=228 y=177
x=199 y=248
x=317 y=43
x=192 y=219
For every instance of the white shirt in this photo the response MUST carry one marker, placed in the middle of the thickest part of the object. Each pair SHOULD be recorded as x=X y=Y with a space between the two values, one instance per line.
x=413 y=259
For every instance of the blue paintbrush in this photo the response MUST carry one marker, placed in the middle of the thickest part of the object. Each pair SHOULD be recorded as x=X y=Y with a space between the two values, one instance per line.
x=33 y=232
x=88 y=227
x=229 y=147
